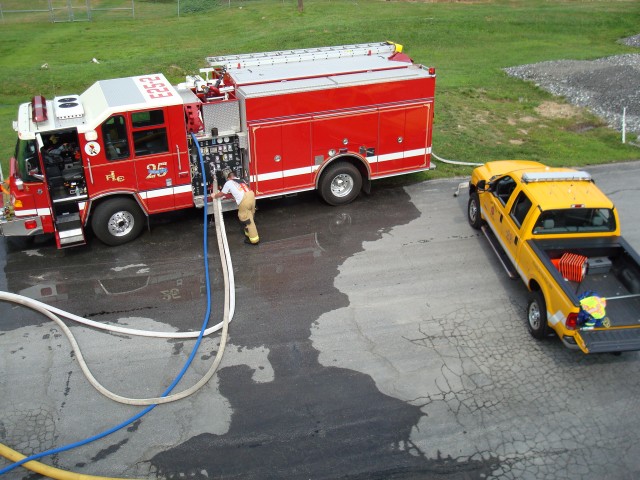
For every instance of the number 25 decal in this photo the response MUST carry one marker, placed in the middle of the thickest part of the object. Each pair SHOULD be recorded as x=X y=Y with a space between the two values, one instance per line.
x=159 y=170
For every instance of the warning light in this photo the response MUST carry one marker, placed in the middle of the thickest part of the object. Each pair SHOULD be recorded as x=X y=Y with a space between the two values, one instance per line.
x=30 y=224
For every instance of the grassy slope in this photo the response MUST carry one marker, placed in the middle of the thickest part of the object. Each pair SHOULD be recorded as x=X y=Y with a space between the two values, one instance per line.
x=481 y=114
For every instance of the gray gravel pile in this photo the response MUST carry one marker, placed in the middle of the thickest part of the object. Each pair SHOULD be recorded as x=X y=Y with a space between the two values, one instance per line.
x=631 y=41
x=605 y=86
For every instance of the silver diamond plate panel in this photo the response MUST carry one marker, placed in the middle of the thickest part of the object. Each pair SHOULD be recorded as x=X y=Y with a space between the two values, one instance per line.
x=225 y=116
x=243 y=140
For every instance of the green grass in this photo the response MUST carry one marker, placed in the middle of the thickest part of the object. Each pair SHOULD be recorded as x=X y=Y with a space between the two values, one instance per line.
x=481 y=113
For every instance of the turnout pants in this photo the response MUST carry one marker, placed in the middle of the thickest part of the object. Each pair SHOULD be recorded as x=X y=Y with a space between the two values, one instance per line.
x=246 y=211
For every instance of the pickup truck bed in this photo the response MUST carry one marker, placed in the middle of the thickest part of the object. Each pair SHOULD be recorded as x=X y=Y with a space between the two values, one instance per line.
x=618 y=282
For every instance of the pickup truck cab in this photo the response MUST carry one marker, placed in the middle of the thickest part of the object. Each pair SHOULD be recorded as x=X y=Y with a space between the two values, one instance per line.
x=560 y=234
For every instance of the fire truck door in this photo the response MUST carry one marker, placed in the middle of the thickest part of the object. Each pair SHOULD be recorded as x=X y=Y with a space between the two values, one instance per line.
x=109 y=160
x=404 y=136
x=297 y=164
x=155 y=159
x=354 y=131
x=266 y=150
x=33 y=197
x=282 y=154
x=182 y=193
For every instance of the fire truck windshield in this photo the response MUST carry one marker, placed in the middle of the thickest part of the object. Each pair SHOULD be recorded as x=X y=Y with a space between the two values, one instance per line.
x=27 y=160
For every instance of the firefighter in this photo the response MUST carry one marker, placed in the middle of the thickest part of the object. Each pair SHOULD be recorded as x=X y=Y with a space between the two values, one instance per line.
x=246 y=201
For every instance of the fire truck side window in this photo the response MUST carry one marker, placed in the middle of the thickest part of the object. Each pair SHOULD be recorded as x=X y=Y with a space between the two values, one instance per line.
x=27 y=159
x=114 y=132
x=147 y=119
x=148 y=141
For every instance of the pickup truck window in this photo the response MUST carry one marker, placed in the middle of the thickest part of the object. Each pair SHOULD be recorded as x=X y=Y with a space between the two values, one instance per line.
x=503 y=189
x=572 y=220
x=520 y=208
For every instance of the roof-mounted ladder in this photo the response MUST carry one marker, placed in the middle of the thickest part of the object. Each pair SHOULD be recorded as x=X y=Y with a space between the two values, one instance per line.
x=303 y=55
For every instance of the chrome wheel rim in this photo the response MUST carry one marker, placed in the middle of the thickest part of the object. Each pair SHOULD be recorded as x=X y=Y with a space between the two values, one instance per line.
x=121 y=223
x=473 y=210
x=534 y=316
x=342 y=185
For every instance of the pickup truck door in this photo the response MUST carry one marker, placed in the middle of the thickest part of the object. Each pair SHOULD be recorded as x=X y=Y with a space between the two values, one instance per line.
x=494 y=205
x=513 y=223
x=506 y=210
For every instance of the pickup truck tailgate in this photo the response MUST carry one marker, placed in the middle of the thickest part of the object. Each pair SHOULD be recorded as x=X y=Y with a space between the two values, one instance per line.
x=611 y=340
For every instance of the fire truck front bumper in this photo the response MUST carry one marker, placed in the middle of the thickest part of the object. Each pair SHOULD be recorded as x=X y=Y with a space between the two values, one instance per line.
x=20 y=227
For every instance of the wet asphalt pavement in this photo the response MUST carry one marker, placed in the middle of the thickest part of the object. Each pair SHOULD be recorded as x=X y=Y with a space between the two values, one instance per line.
x=376 y=340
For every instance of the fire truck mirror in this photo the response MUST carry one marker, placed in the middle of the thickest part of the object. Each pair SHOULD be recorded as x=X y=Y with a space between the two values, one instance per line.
x=91 y=136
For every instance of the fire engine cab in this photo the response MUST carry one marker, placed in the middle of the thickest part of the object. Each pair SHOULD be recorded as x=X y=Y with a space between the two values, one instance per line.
x=330 y=119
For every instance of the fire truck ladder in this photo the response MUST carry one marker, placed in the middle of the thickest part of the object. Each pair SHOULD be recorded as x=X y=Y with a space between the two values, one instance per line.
x=303 y=55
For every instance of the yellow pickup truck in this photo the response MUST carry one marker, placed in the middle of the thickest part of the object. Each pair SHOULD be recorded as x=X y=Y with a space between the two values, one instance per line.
x=559 y=233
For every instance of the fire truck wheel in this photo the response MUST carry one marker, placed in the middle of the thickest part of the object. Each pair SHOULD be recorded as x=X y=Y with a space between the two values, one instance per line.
x=340 y=184
x=537 y=315
x=473 y=211
x=117 y=221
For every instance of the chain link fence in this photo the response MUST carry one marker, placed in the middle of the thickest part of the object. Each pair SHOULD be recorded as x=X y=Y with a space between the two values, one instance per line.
x=19 y=11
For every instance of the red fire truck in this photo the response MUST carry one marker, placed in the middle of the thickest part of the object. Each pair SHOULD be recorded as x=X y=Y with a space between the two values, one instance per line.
x=330 y=119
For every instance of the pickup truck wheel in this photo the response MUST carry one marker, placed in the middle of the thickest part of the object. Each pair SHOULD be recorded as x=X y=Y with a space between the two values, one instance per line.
x=537 y=315
x=473 y=211
x=340 y=184
x=117 y=221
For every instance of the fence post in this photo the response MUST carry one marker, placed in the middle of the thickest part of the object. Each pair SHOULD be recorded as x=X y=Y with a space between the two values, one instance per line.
x=624 y=124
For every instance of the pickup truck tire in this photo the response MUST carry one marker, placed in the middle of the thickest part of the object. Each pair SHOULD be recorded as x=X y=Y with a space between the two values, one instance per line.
x=117 y=221
x=473 y=211
x=537 y=315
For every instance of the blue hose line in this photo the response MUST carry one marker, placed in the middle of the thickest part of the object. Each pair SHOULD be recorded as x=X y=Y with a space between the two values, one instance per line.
x=98 y=436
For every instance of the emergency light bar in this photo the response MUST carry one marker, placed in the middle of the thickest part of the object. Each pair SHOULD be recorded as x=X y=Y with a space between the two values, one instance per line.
x=532 y=177
x=38 y=109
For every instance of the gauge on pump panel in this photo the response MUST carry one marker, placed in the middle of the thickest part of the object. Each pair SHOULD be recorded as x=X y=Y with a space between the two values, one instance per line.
x=226 y=139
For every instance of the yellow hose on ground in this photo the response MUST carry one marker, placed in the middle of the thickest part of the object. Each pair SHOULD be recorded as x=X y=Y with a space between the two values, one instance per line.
x=46 y=470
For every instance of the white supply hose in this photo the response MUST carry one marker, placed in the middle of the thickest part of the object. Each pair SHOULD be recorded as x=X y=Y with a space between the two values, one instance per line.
x=37 y=305
x=455 y=162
